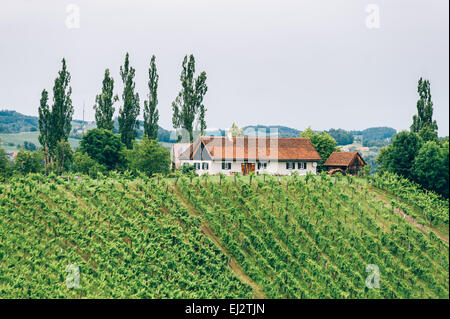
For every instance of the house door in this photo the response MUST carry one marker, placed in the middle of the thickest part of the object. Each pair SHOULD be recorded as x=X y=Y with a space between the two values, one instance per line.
x=247 y=168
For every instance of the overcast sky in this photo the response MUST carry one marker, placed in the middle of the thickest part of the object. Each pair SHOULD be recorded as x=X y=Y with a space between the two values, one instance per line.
x=295 y=63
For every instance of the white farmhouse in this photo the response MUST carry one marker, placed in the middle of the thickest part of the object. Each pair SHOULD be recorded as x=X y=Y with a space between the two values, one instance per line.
x=273 y=155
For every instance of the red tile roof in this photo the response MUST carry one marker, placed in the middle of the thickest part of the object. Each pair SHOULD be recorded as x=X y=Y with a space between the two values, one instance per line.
x=341 y=158
x=255 y=148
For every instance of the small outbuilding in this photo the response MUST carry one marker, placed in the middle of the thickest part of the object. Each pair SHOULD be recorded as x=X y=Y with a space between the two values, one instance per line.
x=344 y=162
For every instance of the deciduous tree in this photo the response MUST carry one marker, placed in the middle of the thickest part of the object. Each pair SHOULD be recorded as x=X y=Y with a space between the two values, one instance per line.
x=323 y=143
x=4 y=164
x=430 y=168
x=84 y=164
x=62 y=109
x=236 y=130
x=63 y=156
x=149 y=157
x=188 y=105
x=103 y=146
x=28 y=162
x=128 y=113
x=424 y=116
x=104 y=104
x=398 y=157
x=151 y=114
x=45 y=125
x=55 y=124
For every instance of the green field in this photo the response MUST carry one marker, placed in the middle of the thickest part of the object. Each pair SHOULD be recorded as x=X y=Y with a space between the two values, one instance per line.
x=293 y=237
x=20 y=138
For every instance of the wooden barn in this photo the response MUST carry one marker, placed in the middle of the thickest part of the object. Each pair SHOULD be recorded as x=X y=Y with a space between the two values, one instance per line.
x=345 y=162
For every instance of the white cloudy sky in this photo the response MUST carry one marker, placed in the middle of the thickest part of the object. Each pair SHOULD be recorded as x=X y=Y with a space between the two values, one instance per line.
x=293 y=63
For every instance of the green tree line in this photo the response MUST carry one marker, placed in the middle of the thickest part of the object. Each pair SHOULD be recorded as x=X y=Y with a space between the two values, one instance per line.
x=102 y=149
x=418 y=154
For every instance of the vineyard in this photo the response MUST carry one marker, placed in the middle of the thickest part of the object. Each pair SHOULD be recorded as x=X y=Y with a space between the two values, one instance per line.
x=291 y=237
x=313 y=237
x=425 y=206
x=130 y=239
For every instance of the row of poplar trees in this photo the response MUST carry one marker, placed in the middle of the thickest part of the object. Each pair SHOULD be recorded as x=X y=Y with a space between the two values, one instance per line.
x=188 y=108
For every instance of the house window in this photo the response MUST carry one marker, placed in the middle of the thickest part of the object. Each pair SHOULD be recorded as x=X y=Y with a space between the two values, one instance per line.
x=262 y=165
x=290 y=165
x=197 y=165
x=301 y=165
x=205 y=166
x=226 y=166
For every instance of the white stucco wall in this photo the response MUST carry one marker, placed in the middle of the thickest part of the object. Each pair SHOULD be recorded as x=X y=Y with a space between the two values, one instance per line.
x=272 y=168
x=281 y=168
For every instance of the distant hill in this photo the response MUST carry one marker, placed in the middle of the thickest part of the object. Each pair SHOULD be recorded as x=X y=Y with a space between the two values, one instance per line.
x=253 y=130
x=341 y=136
x=272 y=130
x=12 y=142
x=12 y=122
x=376 y=133
x=163 y=134
x=15 y=122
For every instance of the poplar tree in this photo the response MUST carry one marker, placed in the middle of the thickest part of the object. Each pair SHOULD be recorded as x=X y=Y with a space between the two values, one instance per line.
x=55 y=124
x=128 y=113
x=151 y=114
x=104 y=104
x=188 y=105
x=424 y=116
x=44 y=123
x=44 y=120
x=62 y=108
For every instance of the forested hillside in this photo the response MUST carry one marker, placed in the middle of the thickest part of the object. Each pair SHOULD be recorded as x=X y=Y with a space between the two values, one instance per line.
x=376 y=133
x=15 y=122
x=293 y=237
x=12 y=122
x=281 y=131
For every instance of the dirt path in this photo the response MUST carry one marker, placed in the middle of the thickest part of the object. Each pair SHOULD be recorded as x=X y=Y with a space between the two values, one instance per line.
x=232 y=262
x=411 y=219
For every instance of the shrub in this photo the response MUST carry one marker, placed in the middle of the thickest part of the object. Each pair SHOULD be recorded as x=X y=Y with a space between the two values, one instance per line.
x=86 y=165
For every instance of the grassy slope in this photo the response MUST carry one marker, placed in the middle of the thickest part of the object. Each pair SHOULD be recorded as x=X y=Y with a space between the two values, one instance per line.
x=19 y=138
x=209 y=240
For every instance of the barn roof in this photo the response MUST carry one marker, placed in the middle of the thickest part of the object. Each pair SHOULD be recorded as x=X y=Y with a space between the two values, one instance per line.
x=341 y=158
x=253 y=148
